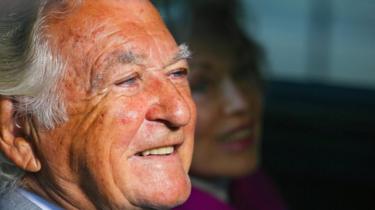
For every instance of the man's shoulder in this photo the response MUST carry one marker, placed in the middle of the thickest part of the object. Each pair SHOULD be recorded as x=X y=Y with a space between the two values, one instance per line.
x=14 y=200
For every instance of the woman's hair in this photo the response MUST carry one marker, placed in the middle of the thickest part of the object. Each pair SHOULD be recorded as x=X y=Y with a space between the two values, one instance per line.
x=215 y=23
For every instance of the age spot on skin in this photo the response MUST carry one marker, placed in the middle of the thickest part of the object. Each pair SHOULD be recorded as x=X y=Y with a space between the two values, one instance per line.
x=124 y=121
x=128 y=117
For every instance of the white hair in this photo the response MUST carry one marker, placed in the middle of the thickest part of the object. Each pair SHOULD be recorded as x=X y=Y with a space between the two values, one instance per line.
x=29 y=71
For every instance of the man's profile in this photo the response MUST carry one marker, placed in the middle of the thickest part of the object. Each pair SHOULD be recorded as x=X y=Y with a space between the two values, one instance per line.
x=95 y=107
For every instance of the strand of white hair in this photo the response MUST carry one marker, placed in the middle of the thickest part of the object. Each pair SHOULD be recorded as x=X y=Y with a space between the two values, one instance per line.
x=29 y=73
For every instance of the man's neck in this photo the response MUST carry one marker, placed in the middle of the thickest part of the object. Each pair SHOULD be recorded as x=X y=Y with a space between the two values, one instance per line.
x=66 y=197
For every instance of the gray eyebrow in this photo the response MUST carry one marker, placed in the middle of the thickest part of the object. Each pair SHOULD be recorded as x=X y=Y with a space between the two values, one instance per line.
x=123 y=57
x=183 y=53
x=129 y=57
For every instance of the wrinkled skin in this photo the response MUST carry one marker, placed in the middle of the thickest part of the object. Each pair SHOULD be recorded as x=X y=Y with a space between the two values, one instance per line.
x=229 y=105
x=117 y=108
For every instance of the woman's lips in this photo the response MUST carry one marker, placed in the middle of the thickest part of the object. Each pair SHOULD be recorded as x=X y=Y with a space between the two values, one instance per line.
x=238 y=145
x=239 y=139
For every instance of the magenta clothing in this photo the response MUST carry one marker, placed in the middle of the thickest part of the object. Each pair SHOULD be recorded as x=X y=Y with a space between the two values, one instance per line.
x=254 y=192
x=201 y=200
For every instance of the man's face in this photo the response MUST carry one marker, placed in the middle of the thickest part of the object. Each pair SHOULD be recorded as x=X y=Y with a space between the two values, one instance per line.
x=128 y=142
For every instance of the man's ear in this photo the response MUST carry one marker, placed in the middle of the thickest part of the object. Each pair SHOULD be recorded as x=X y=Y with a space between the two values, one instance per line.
x=13 y=140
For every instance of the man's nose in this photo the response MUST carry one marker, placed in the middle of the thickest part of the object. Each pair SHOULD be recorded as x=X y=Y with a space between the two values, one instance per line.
x=169 y=105
x=235 y=100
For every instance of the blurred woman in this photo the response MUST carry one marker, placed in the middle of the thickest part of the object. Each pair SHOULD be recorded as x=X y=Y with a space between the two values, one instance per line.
x=227 y=89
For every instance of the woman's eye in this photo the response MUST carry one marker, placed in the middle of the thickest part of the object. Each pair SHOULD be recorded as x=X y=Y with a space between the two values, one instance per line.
x=128 y=81
x=179 y=73
x=201 y=84
x=199 y=87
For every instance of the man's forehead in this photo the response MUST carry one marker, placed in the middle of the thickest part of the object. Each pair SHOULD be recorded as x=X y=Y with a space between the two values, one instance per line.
x=132 y=32
x=142 y=31
x=91 y=14
x=118 y=10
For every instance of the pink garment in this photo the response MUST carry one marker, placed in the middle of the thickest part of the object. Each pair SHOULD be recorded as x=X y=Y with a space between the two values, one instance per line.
x=254 y=192
x=201 y=200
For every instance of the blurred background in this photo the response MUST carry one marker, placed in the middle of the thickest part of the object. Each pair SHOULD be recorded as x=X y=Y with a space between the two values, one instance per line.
x=319 y=118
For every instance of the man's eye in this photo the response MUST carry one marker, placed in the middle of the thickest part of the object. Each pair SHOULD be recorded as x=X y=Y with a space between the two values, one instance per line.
x=129 y=81
x=179 y=73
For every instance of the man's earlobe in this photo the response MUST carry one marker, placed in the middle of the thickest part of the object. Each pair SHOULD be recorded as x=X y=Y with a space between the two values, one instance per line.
x=13 y=143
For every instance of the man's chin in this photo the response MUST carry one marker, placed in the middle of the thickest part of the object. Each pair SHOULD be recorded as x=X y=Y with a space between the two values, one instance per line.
x=166 y=194
x=165 y=204
x=168 y=202
x=158 y=183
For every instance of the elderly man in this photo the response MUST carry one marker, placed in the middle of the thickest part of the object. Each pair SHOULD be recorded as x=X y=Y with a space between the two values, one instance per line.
x=95 y=107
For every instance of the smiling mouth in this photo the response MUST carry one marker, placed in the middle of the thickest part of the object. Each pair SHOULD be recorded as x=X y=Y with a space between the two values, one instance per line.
x=161 y=151
x=238 y=136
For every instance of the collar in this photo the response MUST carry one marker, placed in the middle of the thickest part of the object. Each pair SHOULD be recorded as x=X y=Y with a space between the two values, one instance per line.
x=37 y=200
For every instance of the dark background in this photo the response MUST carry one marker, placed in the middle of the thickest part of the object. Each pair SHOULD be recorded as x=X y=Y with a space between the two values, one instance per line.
x=319 y=118
x=319 y=145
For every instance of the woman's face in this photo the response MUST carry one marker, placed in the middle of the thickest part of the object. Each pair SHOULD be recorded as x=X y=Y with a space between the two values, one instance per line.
x=228 y=99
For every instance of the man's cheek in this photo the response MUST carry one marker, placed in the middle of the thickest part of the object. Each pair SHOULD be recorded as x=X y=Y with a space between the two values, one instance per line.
x=121 y=129
x=126 y=118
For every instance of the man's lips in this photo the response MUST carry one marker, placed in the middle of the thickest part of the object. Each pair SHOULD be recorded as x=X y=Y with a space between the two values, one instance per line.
x=165 y=146
x=167 y=150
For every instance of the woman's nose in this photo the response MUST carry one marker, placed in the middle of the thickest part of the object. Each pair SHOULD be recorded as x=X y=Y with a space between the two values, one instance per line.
x=235 y=100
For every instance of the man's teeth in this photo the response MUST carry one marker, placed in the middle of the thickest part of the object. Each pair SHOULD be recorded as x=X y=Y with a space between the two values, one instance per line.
x=159 y=151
